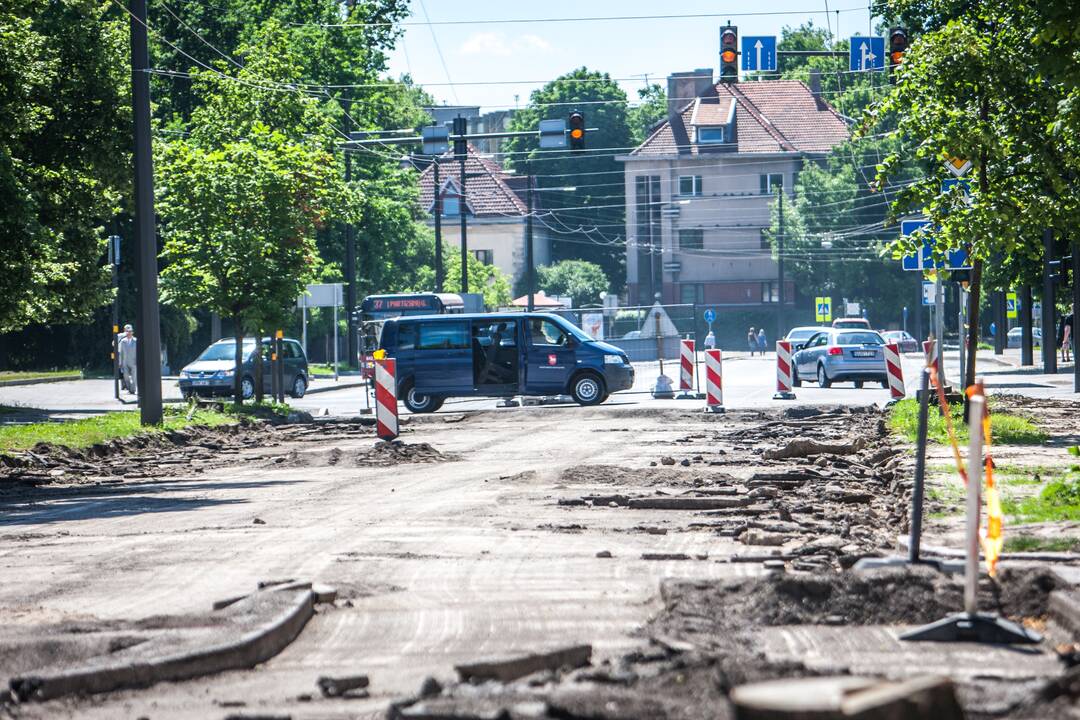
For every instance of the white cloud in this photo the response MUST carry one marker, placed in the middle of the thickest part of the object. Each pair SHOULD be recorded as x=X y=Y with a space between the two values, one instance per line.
x=493 y=44
x=486 y=43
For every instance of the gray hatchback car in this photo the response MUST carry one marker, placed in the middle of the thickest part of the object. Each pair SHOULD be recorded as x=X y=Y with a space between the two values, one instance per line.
x=212 y=373
x=841 y=355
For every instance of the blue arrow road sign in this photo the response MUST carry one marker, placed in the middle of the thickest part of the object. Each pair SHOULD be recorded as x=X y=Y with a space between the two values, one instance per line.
x=867 y=53
x=710 y=316
x=954 y=259
x=759 y=53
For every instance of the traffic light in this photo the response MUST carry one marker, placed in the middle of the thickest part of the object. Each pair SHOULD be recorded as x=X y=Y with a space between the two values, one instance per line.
x=460 y=128
x=729 y=54
x=576 y=130
x=898 y=43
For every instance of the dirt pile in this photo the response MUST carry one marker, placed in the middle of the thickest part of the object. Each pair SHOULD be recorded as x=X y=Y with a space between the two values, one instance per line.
x=398 y=452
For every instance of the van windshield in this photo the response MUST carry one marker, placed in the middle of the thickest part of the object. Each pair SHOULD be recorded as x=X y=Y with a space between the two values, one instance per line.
x=225 y=350
x=573 y=329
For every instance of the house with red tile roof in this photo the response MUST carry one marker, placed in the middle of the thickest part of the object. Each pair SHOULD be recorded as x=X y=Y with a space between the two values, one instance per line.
x=699 y=189
x=495 y=211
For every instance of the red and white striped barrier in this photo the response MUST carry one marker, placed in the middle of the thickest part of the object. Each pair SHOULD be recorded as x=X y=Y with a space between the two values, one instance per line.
x=894 y=372
x=687 y=356
x=783 y=371
x=714 y=381
x=930 y=351
x=386 y=414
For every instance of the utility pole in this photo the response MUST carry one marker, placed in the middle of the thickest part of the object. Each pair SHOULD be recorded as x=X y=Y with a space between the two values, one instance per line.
x=1001 y=322
x=350 y=263
x=1027 y=356
x=461 y=149
x=148 y=355
x=1049 y=349
x=114 y=263
x=530 y=261
x=438 y=229
x=1075 y=307
x=780 y=268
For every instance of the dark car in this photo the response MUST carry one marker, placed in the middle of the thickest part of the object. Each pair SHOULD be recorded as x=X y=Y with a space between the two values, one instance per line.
x=212 y=373
x=841 y=355
x=500 y=355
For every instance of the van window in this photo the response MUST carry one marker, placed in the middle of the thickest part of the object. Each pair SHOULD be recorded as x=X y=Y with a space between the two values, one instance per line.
x=443 y=336
x=293 y=350
x=406 y=336
x=545 y=332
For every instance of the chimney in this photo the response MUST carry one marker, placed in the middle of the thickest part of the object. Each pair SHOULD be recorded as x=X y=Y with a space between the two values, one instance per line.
x=815 y=87
x=682 y=87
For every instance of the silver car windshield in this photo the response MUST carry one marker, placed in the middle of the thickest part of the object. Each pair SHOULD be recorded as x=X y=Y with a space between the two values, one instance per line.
x=859 y=338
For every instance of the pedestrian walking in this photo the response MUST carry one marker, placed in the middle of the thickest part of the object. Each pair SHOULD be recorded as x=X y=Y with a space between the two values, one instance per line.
x=751 y=341
x=127 y=349
x=710 y=341
x=1067 y=338
x=762 y=344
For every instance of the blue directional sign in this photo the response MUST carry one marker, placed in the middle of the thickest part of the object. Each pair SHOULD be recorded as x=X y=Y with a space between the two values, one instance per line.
x=710 y=316
x=924 y=260
x=949 y=183
x=759 y=53
x=867 y=53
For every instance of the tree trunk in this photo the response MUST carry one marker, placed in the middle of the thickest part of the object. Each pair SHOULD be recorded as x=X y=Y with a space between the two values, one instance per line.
x=238 y=367
x=259 y=368
x=973 y=321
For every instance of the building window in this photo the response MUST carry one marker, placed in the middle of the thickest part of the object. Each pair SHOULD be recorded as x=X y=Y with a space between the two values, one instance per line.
x=691 y=239
x=485 y=256
x=690 y=185
x=771 y=183
x=647 y=229
x=706 y=135
x=690 y=293
x=770 y=292
x=451 y=206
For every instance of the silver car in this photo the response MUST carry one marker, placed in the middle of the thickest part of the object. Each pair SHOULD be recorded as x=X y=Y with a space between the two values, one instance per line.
x=799 y=335
x=838 y=355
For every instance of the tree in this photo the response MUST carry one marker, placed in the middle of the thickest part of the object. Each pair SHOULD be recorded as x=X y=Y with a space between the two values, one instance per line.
x=486 y=280
x=587 y=221
x=243 y=194
x=970 y=88
x=64 y=156
x=580 y=279
x=643 y=118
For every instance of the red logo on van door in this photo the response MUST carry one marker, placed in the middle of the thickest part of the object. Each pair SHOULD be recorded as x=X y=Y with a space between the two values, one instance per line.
x=552 y=359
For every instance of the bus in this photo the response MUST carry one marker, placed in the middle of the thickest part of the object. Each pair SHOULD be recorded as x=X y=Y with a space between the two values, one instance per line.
x=376 y=309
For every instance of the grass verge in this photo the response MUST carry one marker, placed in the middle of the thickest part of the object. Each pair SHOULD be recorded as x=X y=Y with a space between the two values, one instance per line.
x=1058 y=500
x=8 y=375
x=89 y=431
x=1006 y=429
x=1029 y=543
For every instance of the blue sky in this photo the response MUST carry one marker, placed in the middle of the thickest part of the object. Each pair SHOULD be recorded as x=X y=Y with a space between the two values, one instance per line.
x=511 y=53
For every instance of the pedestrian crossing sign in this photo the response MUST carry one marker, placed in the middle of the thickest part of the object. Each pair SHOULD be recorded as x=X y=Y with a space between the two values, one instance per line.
x=1010 y=305
x=823 y=307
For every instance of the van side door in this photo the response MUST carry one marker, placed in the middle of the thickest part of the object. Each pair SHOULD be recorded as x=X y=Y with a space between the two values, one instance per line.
x=549 y=358
x=443 y=358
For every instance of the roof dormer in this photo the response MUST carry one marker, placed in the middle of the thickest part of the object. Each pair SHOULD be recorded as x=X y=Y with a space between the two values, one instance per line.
x=713 y=123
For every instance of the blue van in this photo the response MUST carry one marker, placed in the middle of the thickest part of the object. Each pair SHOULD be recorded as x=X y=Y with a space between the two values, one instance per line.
x=500 y=355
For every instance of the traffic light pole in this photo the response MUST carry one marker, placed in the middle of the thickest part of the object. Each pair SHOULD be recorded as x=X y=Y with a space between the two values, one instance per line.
x=1076 y=306
x=148 y=348
x=780 y=268
x=438 y=229
x=530 y=261
x=1049 y=346
x=464 y=237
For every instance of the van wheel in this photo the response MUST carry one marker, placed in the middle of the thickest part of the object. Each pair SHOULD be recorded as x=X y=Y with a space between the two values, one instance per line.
x=588 y=389
x=299 y=387
x=420 y=403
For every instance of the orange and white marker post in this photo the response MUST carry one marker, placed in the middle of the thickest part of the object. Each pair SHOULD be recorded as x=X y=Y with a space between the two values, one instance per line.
x=783 y=371
x=687 y=358
x=386 y=409
x=714 y=381
x=929 y=348
x=894 y=372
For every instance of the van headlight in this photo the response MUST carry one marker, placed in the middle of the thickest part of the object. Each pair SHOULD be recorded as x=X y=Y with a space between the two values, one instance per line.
x=614 y=360
x=223 y=374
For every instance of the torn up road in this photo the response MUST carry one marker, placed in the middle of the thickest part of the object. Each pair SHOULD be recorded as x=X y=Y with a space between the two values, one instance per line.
x=479 y=537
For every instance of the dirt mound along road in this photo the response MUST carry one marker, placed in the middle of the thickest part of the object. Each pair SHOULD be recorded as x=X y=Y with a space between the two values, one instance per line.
x=398 y=452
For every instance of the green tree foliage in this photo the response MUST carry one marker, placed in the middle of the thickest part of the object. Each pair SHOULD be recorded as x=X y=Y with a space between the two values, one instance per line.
x=985 y=82
x=597 y=205
x=486 y=280
x=63 y=156
x=651 y=109
x=243 y=193
x=580 y=279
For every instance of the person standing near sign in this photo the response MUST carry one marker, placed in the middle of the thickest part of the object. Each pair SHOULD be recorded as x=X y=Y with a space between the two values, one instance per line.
x=127 y=349
x=710 y=341
x=762 y=343
x=751 y=341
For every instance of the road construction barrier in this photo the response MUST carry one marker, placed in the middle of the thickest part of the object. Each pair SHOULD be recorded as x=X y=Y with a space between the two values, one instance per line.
x=386 y=411
x=783 y=371
x=686 y=365
x=894 y=372
x=930 y=351
x=714 y=383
